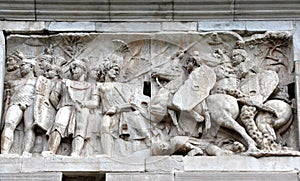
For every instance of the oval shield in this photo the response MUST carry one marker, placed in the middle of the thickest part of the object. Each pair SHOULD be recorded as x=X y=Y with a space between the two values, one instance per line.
x=260 y=86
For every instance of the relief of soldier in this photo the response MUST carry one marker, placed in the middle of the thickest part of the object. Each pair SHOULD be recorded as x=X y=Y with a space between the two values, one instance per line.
x=220 y=100
x=20 y=107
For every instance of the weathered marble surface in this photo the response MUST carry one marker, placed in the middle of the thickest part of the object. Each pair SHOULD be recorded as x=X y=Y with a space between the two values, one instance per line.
x=157 y=164
x=127 y=91
x=167 y=167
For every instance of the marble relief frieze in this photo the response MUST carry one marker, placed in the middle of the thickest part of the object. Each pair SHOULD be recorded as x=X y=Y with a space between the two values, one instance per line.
x=147 y=94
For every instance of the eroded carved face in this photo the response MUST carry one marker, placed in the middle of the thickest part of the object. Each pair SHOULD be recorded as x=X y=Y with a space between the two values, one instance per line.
x=51 y=73
x=238 y=56
x=11 y=64
x=190 y=64
x=76 y=71
x=43 y=63
x=94 y=74
x=25 y=68
x=113 y=72
x=237 y=59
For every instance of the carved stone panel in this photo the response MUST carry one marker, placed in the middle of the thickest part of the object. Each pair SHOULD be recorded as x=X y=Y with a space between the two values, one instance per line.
x=87 y=94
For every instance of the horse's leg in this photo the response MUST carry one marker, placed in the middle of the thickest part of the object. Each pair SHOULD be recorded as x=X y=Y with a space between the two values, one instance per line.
x=200 y=113
x=283 y=123
x=172 y=114
x=212 y=131
x=227 y=121
x=283 y=129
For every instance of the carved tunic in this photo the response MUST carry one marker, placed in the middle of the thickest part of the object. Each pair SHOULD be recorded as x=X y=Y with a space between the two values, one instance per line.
x=112 y=94
x=24 y=92
x=115 y=95
x=72 y=91
x=77 y=121
x=177 y=89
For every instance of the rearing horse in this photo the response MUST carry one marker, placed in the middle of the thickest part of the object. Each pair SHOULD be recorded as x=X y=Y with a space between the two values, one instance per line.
x=223 y=109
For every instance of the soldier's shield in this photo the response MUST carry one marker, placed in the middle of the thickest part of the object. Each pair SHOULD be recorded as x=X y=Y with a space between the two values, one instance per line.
x=260 y=86
x=195 y=89
x=44 y=112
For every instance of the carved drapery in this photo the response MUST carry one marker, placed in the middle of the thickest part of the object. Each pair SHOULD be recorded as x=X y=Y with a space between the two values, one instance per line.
x=213 y=93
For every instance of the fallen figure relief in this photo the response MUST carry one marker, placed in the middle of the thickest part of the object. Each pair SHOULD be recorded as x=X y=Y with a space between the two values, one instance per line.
x=217 y=94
